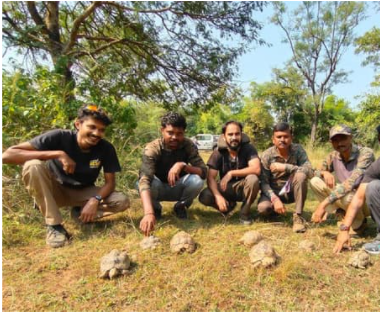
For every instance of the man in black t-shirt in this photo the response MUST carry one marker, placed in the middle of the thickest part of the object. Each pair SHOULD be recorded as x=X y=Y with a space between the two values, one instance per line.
x=369 y=192
x=238 y=165
x=60 y=168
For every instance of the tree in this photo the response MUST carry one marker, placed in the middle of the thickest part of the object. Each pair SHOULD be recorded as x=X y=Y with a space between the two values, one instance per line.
x=318 y=34
x=158 y=50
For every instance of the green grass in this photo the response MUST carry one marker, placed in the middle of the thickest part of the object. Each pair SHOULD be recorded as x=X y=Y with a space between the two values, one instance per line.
x=217 y=277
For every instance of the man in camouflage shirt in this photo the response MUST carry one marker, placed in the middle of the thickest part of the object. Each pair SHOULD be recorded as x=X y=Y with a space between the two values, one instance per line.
x=165 y=174
x=284 y=175
x=349 y=163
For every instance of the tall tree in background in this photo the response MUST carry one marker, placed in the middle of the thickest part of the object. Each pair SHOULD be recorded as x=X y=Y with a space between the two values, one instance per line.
x=176 y=52
x=318 y=34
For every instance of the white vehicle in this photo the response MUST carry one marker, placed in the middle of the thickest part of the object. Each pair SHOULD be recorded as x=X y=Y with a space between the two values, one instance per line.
x=205 y=141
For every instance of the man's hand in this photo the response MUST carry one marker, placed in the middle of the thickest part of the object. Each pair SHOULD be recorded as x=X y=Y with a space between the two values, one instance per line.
x=277 y=167
x=89 y=210
x=329 y=179
x=67 y=163
x=221 y=203
x=343 y=240
x=279 y=206
x=174 y=173
x=147 y=223
x=320 y=213
x=224 y=181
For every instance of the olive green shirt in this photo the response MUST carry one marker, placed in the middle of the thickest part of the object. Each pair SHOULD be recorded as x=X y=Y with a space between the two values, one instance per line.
x=158 y=159
x=272 y=182
x=363 y=156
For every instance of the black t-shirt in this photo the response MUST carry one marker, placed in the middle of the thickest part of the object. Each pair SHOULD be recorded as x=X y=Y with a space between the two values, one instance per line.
x=220 y=159
x=88 y=164
x=372 y=172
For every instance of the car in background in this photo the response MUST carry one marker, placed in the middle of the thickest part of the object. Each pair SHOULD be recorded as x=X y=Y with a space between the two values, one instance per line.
x=204 y=141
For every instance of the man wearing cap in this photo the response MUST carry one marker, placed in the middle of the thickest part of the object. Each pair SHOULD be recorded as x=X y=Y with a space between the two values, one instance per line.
x=60 y=168
x=349 y=163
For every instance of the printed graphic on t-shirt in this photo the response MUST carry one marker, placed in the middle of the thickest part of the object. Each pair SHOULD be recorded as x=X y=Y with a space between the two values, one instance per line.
x=95 y=163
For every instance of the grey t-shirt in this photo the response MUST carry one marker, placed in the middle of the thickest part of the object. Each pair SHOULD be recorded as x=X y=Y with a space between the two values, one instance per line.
x=372 y=172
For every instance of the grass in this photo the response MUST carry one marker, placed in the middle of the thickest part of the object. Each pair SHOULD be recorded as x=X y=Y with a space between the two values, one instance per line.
x=217 y=277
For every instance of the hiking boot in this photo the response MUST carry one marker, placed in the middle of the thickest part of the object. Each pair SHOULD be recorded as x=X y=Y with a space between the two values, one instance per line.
x=373 y=248
x=180 y=210
x=75 y=213
x=57 y=236
x=299 y=224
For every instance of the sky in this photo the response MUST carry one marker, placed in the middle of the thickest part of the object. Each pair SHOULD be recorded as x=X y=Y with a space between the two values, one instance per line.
x=257 y=65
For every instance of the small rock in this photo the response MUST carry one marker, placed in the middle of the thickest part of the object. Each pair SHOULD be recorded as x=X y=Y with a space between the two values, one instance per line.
x=251 y=238
x=263 y=254
x=150 y=242
x=182 y=242
x=360 y=260
x=114 y=264
x=307 y=245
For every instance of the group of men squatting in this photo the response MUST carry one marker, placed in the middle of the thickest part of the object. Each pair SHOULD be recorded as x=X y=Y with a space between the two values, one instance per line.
x=60 y=168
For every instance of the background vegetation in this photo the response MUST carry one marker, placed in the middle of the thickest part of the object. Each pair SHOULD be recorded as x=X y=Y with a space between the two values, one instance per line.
x=137 y=60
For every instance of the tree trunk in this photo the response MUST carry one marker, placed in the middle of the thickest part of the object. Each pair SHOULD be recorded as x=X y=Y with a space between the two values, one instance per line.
x=314 y=126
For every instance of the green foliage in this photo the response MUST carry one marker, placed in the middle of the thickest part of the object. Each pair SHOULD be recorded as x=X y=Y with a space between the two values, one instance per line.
x=211 y=121
x=258 y=122
x=175 y=53
x=32 y=103
x=336 y=111
x=318 y=34
x=368 y=119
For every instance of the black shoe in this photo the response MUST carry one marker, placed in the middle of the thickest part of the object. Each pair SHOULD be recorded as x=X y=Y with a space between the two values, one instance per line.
x=180 y=210
x=158 y=214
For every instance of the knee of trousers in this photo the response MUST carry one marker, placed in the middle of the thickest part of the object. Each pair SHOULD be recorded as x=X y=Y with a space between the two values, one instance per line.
x=206 y=197
x=372 y=191
x=32 y=169
x=317 y=184
x=252 y=180
x=300 y=177
x=194 y=181
x=264 y=208
x=123 y=202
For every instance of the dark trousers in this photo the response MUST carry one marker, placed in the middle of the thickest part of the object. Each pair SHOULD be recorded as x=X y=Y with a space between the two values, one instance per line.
x=244 y=190
x=372 y=194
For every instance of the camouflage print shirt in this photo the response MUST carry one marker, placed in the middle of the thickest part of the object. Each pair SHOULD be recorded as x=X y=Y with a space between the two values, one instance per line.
x=157 y=160
x=360 y=159
x=272 y=182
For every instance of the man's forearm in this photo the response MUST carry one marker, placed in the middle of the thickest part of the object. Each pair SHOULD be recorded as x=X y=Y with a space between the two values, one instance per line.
x=18 y=156
x=355 y=205
x=147 y=202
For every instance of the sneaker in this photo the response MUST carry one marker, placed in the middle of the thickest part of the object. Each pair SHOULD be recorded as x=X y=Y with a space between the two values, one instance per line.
x=299 y=224
x=75 y=213
x=57 y=236
x=246 y=221
x=180 y=210
x=372 y=248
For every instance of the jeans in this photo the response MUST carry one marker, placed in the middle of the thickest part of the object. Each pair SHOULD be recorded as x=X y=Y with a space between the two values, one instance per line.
x=185 y=190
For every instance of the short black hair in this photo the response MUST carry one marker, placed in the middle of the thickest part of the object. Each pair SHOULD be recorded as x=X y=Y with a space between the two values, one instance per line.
x=173 y=119
x=282 y=126
x=378 y=129
x=233 y=122
x=93 y=111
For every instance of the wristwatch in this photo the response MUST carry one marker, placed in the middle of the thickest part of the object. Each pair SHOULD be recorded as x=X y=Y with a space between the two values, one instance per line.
x=344 y=227
x=99 y=198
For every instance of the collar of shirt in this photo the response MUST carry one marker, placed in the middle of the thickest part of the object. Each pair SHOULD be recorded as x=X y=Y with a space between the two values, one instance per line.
x=289 y=154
